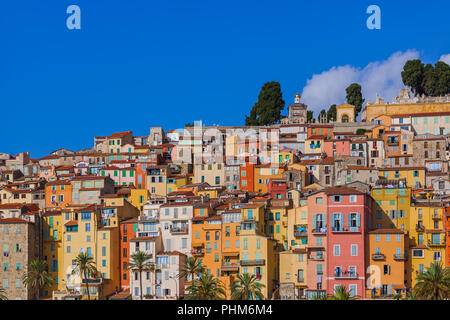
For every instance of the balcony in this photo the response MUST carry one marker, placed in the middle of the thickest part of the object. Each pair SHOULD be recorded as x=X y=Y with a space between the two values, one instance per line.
x=260 y=262
x=436 y=216
x=179 y=230
x=436 y=244
x=148 y=219
x=420 y=228
x=147 y=234
x=316 y=258
x=378 y=257
x=298 y=233
x=400 y=257
x=198 y=253
x=346 y=275
x=345 y=229
x=229 y=266
x=319 y=231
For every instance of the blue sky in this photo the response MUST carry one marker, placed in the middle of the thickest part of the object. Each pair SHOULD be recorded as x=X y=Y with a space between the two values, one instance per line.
x=141 y=63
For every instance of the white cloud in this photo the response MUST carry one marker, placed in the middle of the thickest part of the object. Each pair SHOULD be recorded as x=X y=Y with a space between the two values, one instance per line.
x=382 y=77
x=445 y=58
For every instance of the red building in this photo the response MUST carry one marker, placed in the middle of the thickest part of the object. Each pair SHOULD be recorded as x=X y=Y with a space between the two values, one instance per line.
x=277 y=188
x=321 y=130
x=127 y=231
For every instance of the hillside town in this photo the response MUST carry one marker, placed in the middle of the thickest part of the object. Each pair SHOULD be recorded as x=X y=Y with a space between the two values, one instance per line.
x=301 y=206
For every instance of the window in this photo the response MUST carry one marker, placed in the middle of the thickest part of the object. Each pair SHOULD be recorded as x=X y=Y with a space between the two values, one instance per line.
x=354 y=250
x=417 y=253
x=337 y=250
x=337 y=198
x=386 y=269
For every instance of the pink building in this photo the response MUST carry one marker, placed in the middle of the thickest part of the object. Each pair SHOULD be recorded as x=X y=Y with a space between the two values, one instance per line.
x=336 y=241
x=337 y=147
x=122 y=176
x=348 y=213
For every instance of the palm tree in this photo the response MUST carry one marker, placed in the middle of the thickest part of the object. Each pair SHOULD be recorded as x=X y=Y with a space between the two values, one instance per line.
x=341 y=293
x=409 y=296
x=139 y=263
x=246 y=287
x=434 y=284
x=85 y=267
x=3 y=294
x=192 y=268
x=37 y=276
x=206 y=288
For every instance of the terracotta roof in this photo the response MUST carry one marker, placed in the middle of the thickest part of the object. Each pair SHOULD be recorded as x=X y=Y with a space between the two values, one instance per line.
x=171 y=253
x=342 y=190
x=13 y=220
x=71 y=223
x=385 y=231
x=120 y=134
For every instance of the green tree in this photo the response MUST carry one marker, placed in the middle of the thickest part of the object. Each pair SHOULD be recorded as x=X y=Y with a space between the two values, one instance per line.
x=267 y=109
x=309 y=116
x=434 y=284
x=140 y=263
x=442 y=71
x=360 y=132
x=341 y=293
x=354 y=97
x=192 y=268
x=3 y=294
x=189 y=124
x=413 y=74
x=246 y=287
x=85 y=268
x=206 y=288
x=332 y=113
x=430 y=81
x=37 y=276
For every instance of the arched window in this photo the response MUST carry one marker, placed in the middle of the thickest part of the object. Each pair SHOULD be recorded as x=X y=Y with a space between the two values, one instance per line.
x=345 y=118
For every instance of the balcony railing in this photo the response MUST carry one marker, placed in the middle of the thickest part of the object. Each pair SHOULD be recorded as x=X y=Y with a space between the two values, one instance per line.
x=256 y=262
x=420 y=228
x=230 y=265
x=148 y=219
x=378 y=257
x=319 y=231
x=316 y=258
x=441 y=243
x=197 y=253
x=298 y=233
x=179 y=230
x=403 y=257
x=147 y=234
x=436 y=216
x=345 y=229
x=343 y=275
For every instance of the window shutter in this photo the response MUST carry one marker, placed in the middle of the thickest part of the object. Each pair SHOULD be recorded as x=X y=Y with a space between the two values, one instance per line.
x=314 y=221
x=324 y=220
x=349 y=218
x=358 y=220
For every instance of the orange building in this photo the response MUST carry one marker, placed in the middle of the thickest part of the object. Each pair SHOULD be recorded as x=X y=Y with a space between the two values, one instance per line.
x=58 y=194
x=262 y=175
x=247 y=177
x=387 y=258
x=127 y=232
x=447 y=229
x=231 y=226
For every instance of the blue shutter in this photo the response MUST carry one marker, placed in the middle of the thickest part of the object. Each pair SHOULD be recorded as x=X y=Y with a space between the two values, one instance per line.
x=314 y=221
x=348 y=219
x=358 y=220
x=324 y=220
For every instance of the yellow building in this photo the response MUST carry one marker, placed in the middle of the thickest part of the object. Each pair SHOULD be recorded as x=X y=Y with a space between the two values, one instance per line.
x=93 y=230
x=52 y=248
x=176 y=181
x=391 y=207
x=345 y=113
x=415 y=176
x=258 y=252
x=371 y=111
x=427 y=236
x=293 y=274
x=277 y=224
